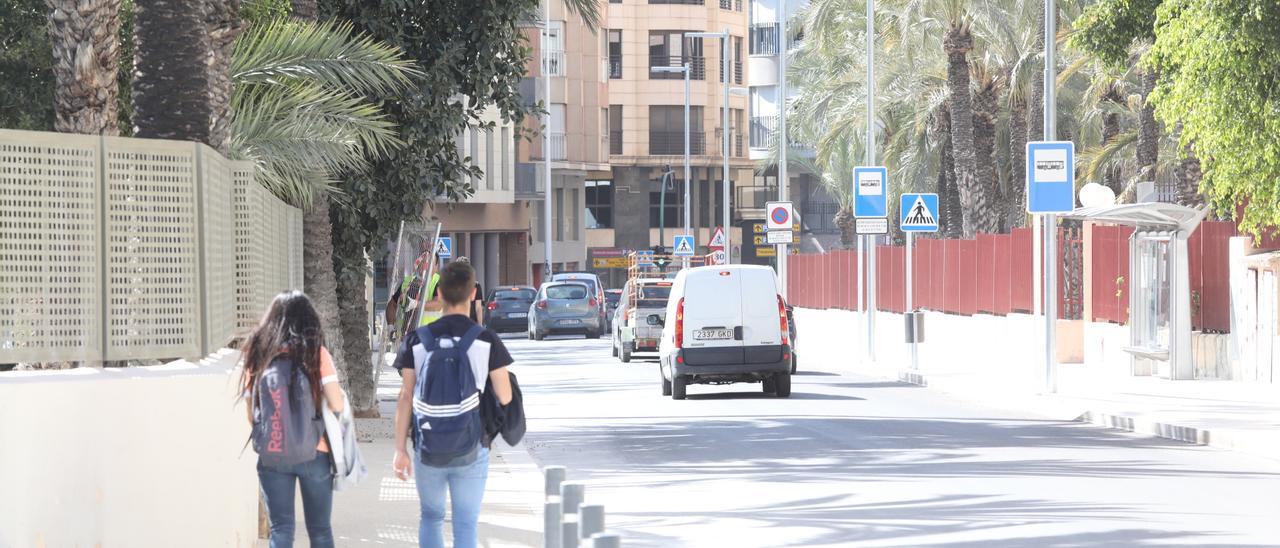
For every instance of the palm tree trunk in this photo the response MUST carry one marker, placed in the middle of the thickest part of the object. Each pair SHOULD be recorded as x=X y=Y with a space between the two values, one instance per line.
x=952 y=215
x=318 y=273
x=1188 y=175
x=224 y=26
x=1110 y=130
x=1035 y=108
x=1148 y=130
x=171 y=91
x=844 y=220
x=86 y=61
x=973 y=200
x=350 y=269
x=1017 y=202
x=985 y=111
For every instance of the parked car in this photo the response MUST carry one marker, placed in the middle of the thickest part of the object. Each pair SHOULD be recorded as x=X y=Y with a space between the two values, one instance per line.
x=611 y=298
x=725 y=324
x=592 y=282
x=509 y=308
x=565 y=307
x=640 y=298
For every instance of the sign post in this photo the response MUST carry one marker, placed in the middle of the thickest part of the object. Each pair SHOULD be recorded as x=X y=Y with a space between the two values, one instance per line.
x=870 y=201
x=1051 y=175
x=780 y=224
x=917 y=213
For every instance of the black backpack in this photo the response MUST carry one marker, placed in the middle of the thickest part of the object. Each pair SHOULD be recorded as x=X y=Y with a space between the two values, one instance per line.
x=286 y=424
x=446 y=401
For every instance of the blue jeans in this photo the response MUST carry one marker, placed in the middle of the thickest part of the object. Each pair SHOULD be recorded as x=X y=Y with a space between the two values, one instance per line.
x=465 y=485
x=316 y=479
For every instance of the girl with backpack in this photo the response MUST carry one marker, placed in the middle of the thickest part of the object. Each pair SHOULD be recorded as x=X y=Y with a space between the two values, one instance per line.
x=288 y=375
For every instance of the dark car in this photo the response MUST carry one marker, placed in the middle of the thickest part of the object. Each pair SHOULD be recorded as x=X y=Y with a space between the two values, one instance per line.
x=611 y=298
x=509 y=308
x=565 y=307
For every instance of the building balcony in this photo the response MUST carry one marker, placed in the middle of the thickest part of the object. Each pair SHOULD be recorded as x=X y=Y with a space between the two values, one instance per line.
x=737 y=73
x=615 y=67
x=554 y=63
x=697 y=67
x=671 y=143
x=615 y=142
x=763 y=39
x=762 y=130
x=559 y=151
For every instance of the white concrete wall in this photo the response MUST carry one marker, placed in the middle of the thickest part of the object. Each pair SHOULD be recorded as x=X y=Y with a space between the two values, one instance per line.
x=137 y=457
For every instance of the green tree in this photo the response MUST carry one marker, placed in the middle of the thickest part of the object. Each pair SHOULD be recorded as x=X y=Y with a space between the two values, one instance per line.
x=472 y=57
x=1220 y=71
x=26 y=66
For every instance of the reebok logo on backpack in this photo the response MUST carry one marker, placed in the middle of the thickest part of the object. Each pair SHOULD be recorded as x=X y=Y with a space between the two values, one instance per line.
x=446 y=401
x=286 y=426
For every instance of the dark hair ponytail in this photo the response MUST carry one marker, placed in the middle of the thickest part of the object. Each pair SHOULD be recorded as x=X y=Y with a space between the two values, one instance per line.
x=290 y=326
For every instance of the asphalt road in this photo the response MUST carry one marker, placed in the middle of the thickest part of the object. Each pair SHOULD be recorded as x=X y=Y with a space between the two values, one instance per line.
x=854 y=461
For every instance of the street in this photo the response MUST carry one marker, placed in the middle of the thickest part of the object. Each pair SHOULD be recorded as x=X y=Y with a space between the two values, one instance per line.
x=850 y=460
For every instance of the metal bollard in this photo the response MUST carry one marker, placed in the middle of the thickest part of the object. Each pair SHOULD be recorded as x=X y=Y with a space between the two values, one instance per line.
x=551 y=528
x=554 y=476
x=590 y=519
x=606 y=540
x=572 y=494
x=570 y=529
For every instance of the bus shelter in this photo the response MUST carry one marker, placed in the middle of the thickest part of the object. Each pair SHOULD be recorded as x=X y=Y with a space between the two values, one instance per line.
x=1159 y=287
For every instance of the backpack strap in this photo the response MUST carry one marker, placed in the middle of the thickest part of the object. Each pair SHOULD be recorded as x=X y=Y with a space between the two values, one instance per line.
x=427 y=339
x=470 y=338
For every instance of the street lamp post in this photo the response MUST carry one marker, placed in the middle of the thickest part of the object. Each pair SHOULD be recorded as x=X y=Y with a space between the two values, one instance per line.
x=871 y=161
x=727 y=71
x=784 y=144
x=687 y=200
x=1050 y=293
x=546 y=142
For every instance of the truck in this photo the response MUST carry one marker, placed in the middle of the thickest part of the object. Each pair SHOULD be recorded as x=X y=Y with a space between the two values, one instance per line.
x=649 y=279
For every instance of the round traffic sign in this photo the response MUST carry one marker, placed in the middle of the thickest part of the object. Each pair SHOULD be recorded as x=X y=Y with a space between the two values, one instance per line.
x=779 y=215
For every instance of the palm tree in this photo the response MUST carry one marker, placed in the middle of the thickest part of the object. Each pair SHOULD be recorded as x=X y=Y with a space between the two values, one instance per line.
x=302 y=117
x=86 y=61
x=978 y=215
x=171 y=76
x=224 y=26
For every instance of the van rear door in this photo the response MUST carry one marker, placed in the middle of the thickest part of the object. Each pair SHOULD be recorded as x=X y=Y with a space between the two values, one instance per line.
x=712 y=316
x=761 y=326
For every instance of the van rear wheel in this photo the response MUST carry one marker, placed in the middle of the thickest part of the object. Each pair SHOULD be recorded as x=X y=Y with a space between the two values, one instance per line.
x=768 y=385
x=782 y=385
x=666 y=385
x=626 y=353
x=678 y=388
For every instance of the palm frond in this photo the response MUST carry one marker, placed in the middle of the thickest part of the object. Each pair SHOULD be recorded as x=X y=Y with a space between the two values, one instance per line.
x=327 y=52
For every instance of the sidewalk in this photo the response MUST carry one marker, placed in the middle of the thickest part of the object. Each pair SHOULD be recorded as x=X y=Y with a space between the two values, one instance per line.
x=1239 y=416
x=383 y=511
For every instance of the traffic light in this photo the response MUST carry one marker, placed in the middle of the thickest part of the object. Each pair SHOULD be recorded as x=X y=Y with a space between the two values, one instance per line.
x=660 y=257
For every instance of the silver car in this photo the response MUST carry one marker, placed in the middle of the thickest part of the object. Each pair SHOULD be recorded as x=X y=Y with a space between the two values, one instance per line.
x=565 y=307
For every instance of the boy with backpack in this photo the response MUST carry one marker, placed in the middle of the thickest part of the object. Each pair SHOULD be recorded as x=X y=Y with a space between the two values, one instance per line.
x=444 y=367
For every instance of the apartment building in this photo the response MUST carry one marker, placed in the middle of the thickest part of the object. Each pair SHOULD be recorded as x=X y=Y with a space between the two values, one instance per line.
x=579 y=129
x=646 y=123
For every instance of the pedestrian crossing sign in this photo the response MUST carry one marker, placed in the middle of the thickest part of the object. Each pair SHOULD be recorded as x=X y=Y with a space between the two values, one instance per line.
x=444 y=247
x=683 y=246
x=919 y=212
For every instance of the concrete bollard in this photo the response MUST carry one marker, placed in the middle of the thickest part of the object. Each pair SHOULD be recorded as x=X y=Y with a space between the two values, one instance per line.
x=606 y=540
x=551 y=528
x=590 y=519
x=554 y=477
x=572 y=493
x=569 y=537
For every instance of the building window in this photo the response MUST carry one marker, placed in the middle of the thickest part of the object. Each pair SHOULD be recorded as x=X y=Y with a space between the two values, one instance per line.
x=572 y=208
x=673 y=218
x=737 y=60
x=709 y=209
x=666 y=130
x=599 y=204
x=669 y=48
x=615 y=53
x=615 y=129
x=474 y=153
x=490 y=176
x=503 y=160
x=555 y=49
x=604 y=132
x=683 y=2
x=559 y=150
x=559 y=214
x=764 y=39
x=535 y=222
x=736 y=131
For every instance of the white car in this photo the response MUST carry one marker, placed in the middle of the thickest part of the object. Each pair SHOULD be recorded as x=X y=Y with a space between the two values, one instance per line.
x=725 y=324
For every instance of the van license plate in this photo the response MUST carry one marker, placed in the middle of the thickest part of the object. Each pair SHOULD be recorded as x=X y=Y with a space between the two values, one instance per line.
x=712 y=334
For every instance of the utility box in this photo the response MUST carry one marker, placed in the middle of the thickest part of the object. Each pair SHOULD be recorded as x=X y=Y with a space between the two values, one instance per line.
x=914 y=326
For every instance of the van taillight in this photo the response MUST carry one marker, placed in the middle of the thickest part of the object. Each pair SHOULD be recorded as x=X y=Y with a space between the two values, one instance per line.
x=542 y=305
x=782 y=320
x=680 y=324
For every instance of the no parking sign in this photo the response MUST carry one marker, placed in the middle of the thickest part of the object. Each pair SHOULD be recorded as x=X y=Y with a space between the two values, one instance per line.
x=779 y=216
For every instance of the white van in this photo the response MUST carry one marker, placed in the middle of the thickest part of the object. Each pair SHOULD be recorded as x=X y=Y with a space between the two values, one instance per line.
x=725 y=324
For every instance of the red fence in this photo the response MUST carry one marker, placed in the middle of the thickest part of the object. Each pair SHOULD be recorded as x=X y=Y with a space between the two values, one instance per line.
x=993 y=275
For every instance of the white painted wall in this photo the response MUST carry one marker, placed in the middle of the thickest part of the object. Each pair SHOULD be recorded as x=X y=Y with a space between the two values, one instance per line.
x=138 y=457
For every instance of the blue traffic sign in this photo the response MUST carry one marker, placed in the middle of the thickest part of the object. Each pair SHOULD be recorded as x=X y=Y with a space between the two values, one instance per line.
x=870 y=192
x=683 y=246
x=1051 y=175
x=444 y=247
x=919 y=213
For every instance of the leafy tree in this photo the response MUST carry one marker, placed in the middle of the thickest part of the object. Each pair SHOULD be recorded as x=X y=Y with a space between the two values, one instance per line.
x=1220 y=78
x=472 y=56
x=26 y=66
